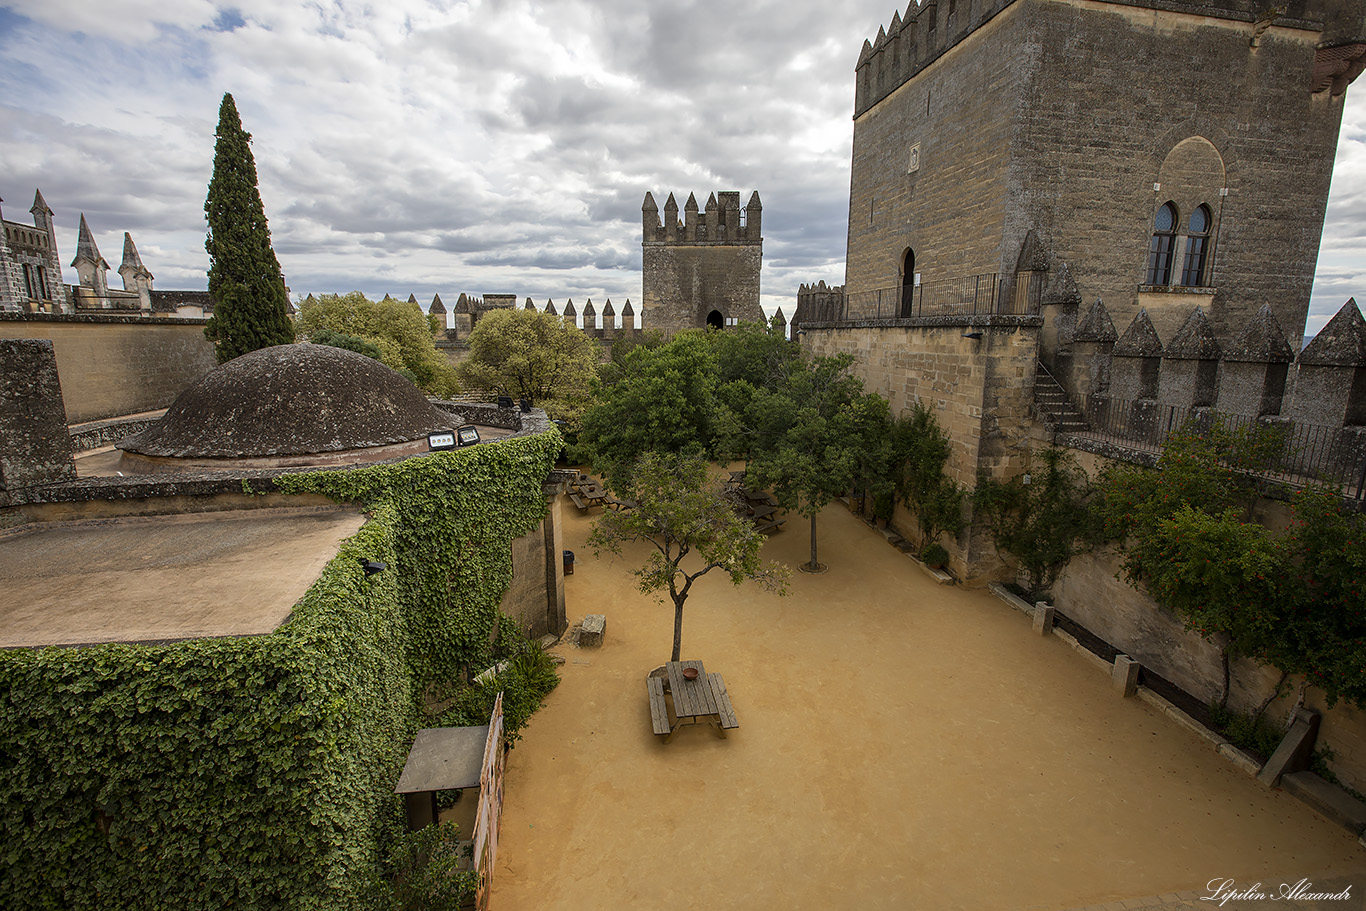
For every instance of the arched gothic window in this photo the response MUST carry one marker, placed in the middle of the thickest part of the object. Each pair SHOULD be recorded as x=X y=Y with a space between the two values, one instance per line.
x=1197 y=248
x=1163 y=245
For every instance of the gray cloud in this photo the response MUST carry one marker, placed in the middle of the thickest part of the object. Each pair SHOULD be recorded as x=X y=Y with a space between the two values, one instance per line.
x=418 y=147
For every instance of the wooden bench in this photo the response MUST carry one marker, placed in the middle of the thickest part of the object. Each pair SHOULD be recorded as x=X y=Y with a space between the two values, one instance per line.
x=577 y=500
x=724 y=710
x=659 y=711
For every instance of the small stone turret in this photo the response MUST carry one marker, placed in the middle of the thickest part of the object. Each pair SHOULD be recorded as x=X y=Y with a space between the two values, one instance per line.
x=1190 y=374
x=1136 y=371
x=135 y=276
x=1093 y=341
x=1252 y=380
x=1330 y=384
x=90 y=266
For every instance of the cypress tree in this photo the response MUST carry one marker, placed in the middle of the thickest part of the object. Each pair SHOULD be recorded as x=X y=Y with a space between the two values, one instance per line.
x=250 y=305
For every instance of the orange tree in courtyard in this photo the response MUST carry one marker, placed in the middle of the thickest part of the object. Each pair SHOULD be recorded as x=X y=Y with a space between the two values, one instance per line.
x=681 y=511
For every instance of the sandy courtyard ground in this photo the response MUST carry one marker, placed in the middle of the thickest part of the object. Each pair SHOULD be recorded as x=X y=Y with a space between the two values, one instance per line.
x=902 y=745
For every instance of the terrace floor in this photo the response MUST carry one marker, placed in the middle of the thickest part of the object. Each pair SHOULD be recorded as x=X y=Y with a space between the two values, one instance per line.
x=159 y=578
x=902 y=745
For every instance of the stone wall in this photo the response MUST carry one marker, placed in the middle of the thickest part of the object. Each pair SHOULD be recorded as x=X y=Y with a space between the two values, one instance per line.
x=535 y=599
x=957 y=117
x=34 y=445
x=1098 y=150
x=1091 y=592
x=112 y=366
x=979 y=389
x=1041 y=118
x=682 y=283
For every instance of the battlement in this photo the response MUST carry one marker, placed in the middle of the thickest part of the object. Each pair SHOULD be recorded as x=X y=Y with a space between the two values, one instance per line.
x=930 y=29
x=723 y=221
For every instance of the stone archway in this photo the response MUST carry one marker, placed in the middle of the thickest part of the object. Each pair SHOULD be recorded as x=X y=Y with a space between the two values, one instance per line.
x=715 y=320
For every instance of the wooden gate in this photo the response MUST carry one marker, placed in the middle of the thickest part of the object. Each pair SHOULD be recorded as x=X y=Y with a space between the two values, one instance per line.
x=490 y=812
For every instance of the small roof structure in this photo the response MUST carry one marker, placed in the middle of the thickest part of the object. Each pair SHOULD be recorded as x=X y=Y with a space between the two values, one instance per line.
x=444 y=759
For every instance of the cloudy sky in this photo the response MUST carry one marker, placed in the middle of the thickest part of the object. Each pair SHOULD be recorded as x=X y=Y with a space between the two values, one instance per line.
x=423 y=146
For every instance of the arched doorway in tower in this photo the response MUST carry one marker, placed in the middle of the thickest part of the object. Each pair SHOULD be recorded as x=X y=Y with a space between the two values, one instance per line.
x=715 y=320
x=908 y=283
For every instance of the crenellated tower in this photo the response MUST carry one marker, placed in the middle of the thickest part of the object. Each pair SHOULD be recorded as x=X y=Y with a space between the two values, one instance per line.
x=703 y=271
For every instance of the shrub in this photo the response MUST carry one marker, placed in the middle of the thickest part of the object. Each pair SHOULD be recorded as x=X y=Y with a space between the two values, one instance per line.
x=935 y=556
x=1040 y=519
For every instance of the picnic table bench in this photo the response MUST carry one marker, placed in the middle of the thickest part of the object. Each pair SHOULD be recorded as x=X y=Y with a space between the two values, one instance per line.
x=700 y=700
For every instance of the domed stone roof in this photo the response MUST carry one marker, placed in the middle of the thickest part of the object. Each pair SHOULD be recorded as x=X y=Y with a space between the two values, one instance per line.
x=291 y=400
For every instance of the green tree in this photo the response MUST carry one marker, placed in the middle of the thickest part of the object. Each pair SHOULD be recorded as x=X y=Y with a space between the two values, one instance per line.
x=1210 y=470
x=749 y=358
x=1040 y=519
x=397 y=328
x=811 y=436
x=529 y=354
x=681 y=510
x=665 y=401
x=250 y=304
x=349 y=342
x=920 y=450
x=613 y=369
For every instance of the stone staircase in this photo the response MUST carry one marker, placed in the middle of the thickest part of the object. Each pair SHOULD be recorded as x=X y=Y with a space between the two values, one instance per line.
x=1052 y=407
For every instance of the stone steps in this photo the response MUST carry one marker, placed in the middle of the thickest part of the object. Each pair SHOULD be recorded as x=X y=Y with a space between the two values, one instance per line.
x=1052 y=406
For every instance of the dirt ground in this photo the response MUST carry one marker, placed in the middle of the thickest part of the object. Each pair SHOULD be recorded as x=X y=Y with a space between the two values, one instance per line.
x=901 y=745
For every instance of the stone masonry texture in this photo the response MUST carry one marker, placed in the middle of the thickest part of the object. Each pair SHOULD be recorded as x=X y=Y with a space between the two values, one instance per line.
x=35 y=447
x=1078 y=120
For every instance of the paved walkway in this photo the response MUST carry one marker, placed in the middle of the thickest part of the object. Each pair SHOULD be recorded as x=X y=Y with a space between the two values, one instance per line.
x=901 y=745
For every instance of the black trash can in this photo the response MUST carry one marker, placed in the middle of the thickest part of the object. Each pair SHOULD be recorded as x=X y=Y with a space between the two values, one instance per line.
x=569 y=563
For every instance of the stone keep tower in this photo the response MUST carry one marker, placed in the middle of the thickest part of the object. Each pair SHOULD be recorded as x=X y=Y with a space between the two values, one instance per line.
x=1172 y=153
x=705 y=271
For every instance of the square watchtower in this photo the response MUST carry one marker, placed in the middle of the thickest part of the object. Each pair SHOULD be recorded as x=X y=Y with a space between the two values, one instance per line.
x=705 y=270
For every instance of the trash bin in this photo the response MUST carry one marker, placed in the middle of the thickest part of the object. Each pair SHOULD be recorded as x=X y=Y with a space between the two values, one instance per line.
x=569 y=563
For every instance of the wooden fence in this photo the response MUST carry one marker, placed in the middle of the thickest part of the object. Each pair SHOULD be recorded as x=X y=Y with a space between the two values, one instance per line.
x=490 y=812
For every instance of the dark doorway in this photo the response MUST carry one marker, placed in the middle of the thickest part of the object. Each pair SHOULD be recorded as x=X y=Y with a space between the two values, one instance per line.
x=715 y=320
x=908 y=284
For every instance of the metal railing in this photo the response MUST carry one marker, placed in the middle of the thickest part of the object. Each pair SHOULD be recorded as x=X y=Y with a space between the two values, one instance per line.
x=1286 y=451
x=975 y=295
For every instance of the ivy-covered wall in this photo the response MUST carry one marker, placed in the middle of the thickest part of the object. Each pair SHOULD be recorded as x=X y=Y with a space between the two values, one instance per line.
x=258 y=772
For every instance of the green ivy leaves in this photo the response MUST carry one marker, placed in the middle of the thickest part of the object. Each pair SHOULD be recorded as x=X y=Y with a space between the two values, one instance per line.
x=259 y=771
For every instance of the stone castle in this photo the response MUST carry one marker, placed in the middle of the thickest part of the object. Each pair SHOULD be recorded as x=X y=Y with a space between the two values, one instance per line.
x=1085 y=223
x=1130 y=240
x=31 y=275
x=705 y=270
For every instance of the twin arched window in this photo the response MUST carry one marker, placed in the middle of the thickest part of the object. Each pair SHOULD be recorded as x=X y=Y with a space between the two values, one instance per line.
x=1163 y=249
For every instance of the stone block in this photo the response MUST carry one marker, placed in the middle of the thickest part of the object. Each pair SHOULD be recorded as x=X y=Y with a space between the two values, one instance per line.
x=593 y=630
x=1295 y=750
x=1328 y=799
x=1124 y=676
x=36 y=445
x=1043 y=619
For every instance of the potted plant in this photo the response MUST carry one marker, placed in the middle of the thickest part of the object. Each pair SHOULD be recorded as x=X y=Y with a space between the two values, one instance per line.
x=883 y=506
x=935 y=556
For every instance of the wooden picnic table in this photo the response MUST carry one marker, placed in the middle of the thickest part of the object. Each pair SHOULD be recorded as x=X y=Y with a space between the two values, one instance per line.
x=586 y=493
x=697 y=701
x=759 y=512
